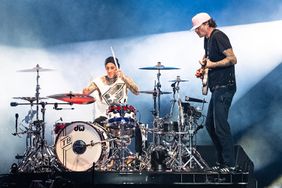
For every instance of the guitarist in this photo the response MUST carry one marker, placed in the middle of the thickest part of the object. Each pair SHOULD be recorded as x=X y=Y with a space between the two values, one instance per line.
x=219 y=59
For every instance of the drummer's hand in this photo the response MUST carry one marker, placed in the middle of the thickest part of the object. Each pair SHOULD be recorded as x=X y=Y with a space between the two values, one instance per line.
x=85 y=91
x=89 y=89
x=120 y=74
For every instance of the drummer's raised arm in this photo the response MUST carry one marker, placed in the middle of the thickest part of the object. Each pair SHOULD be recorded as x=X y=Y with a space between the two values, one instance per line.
x=89 y=89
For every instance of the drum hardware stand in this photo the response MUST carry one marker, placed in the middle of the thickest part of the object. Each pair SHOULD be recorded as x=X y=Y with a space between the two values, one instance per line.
x=157 y=103
x=39 y=157
x=194 y=157
x=156 y=143
x=177 y=154
x=184 y=157
x=120 y=152
x=180 y=152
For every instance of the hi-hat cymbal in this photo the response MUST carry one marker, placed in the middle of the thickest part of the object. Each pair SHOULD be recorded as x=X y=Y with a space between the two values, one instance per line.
x=35 y=69
x=178 y=79
x=159 y=66
x=75 y=98
x=29 y=99
x=155 y=92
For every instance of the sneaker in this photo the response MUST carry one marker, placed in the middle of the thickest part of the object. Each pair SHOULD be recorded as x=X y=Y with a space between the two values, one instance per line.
x=225 y=169
x=216 y=167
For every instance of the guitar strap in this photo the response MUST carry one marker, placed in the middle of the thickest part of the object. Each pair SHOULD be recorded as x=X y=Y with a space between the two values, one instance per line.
x=209 y=43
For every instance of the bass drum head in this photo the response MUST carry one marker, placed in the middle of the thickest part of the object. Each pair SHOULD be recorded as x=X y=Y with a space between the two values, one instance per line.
x=78 y=146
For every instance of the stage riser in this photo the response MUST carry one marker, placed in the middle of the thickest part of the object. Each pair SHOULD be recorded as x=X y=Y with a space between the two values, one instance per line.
x=93 y=178
x=114 y=179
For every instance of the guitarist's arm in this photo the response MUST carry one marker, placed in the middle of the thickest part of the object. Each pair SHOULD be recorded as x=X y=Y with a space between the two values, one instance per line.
x=229 y=60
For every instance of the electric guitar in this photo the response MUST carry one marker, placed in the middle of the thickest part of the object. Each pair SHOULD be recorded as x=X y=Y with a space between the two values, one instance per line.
x=204 y=77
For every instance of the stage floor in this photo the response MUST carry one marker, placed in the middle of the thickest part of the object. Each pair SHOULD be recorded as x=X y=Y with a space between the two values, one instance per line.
x=126 y=179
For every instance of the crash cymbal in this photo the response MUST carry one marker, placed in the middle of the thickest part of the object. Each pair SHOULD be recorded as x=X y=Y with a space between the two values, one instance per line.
x=191 y=99
x=155 y=92
x=75 y=98
x=29 y=99
x=159 y=66
x=35 y=69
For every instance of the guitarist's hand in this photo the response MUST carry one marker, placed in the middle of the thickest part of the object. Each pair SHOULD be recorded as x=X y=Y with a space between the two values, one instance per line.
x=199 y=73
x=204 y=62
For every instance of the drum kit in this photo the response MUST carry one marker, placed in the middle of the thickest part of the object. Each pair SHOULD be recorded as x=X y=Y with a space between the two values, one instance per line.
x=82 y=146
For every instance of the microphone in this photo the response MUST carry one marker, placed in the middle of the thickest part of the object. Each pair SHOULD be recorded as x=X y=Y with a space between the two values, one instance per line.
x=195 y=99
x=13 y=104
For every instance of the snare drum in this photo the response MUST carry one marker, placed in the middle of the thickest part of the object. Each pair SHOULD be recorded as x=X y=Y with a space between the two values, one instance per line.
x=79 y=145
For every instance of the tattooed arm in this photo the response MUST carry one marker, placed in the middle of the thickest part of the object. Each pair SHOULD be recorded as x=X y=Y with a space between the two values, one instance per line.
x=132 y=86
x=229 y=60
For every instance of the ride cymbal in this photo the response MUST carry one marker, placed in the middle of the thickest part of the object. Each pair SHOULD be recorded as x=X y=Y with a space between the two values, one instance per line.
x=75 y=98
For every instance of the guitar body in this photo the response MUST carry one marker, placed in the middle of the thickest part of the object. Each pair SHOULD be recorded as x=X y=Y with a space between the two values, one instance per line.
x=204 y=76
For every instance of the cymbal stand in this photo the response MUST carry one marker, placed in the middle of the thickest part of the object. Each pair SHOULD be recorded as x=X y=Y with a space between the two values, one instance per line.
x=195 y=160
x=158 y=93
x=182 y=156
x=186 y=157
x=156 y=115
x=173 y=101
x=176 y=156
x=40 y=157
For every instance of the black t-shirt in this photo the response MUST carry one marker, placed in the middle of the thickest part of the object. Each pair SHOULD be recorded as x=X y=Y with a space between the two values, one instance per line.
x=214 y=47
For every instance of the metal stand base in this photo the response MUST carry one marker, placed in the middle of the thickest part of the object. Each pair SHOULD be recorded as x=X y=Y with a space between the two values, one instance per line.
x=37 y=160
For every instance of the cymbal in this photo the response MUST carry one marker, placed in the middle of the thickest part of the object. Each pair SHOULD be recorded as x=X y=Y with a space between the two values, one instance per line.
x=29 y=99
x=155 y=92
x=159 y=66
x=75 y=98
x=36 y=69
x=179 y=80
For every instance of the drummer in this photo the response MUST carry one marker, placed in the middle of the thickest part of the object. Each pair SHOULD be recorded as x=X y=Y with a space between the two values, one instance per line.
x=110 y=88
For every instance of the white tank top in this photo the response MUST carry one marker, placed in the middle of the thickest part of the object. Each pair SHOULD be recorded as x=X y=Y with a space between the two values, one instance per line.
x=114 y=93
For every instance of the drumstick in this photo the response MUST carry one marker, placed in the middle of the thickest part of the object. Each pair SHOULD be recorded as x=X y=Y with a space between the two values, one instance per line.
x=115 y=61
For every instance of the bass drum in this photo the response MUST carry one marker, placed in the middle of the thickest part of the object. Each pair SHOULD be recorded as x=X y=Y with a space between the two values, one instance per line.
x=79 y=145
